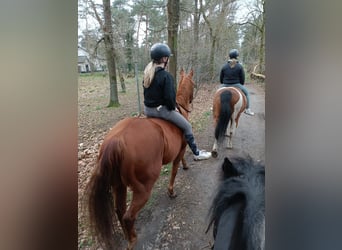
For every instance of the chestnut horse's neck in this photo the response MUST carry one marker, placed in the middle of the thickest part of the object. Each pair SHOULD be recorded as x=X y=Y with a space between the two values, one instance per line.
x=185 y=92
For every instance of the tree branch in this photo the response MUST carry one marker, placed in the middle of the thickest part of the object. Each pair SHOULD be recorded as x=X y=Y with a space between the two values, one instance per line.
x=98 y=18
x=97 y=44
x=250 y=23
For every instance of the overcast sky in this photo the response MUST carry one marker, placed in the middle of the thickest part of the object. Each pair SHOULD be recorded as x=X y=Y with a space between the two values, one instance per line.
x=92 y=23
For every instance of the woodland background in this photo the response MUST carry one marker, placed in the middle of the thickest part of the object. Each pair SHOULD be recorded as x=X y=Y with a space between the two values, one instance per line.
x=200 y=34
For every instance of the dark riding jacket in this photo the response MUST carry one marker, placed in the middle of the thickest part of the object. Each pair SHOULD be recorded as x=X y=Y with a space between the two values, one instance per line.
x=161 y=91
x=232 y=75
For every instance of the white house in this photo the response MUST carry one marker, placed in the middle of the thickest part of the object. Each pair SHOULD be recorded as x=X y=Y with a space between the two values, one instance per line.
x=85 y=65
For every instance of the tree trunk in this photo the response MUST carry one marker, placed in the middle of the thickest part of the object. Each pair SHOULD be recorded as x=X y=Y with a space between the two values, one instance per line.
x=262 y=42
x=194 y=58
x=212 y=57
x=110 y=54
x=172 y=28
x=213 y=42
x=129 y=51
x=122 y=81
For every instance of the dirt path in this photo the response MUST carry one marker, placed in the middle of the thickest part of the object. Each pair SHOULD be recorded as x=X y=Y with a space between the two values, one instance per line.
x=178 y=223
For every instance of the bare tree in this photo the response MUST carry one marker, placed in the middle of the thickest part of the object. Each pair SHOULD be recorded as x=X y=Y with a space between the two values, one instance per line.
x=172 y=28
x=107 y=29
x=220 y=13
x=262 y=40
x=254 y=36
x=110 y=53
x=196 y=15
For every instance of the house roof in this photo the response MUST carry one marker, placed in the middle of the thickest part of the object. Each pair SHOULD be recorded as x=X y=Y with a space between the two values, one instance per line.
x=82 y=59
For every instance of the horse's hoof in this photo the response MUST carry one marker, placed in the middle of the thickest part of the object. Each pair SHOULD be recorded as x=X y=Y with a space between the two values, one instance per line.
x=130 y=247
x=185 y=167
x=172 y=195
x=214 y=154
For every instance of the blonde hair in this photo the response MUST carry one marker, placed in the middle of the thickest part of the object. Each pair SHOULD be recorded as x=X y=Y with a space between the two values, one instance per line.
x=232 y=62
x=149 y=74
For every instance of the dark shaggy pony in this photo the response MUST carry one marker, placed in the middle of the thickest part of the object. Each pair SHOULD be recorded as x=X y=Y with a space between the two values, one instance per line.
x=238 y=210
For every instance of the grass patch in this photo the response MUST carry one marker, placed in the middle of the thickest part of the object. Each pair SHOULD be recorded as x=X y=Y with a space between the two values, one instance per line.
x=166 y=169
x=86 y=243
x=152 y=200
x=94 y=74
x=134 y=114
x=201 y=122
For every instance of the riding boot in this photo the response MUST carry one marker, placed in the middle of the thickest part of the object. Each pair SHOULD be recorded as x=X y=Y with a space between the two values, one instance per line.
x=192 y=144
x=198 y=154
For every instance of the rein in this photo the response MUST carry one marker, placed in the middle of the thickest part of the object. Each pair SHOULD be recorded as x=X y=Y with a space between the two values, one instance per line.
x=183 y=108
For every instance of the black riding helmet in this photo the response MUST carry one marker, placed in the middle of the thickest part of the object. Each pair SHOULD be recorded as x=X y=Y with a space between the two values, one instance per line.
x=159 y=50
x=234 y=53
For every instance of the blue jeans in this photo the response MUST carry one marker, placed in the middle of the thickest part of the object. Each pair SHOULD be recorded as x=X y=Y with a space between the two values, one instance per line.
x=240 y=86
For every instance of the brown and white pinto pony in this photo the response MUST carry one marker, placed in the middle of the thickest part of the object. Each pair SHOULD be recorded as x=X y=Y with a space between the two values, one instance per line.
x=132 y=155
x=229 y=103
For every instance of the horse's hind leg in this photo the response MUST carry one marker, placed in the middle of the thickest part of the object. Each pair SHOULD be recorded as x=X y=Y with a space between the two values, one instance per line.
x=120 y=194
x=185 y=165
x=174 y=171
x=229 y=133
x=229 y=141
x=138 y=201
x=214 y=150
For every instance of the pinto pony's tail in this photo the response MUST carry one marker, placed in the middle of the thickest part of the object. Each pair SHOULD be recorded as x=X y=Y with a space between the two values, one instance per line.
x=99 y=197
x=224 y=116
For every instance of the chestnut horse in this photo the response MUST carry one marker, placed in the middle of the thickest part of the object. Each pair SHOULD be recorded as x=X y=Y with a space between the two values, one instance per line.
x=132 y=155
x=238 y=210
x=229 y=103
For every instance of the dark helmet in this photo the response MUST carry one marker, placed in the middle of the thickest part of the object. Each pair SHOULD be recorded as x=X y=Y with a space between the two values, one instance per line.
x=234 y=53
x=159 y=50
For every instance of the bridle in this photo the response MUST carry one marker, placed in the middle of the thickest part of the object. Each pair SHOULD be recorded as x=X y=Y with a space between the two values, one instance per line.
x=189 y=111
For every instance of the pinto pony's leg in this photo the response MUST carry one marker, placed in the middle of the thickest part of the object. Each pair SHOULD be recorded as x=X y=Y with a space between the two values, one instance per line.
x=229 y=141
x=222 y=116
x=214 y=150
x=230 y=131
x=233 y=123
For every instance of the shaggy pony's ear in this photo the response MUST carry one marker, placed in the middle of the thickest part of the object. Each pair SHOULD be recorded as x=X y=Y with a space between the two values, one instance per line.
x=229 y=169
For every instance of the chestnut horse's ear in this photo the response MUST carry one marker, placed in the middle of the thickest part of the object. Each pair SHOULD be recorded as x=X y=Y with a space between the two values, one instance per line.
x=181 y=72
x=191 y=73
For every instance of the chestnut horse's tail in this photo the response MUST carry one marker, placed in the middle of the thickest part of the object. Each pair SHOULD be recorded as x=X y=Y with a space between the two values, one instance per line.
x=99 y=195
x=224 y=116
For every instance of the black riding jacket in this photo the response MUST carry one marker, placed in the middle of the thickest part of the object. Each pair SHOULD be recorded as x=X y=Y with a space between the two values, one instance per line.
x=161 y=91
x=232 y=75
